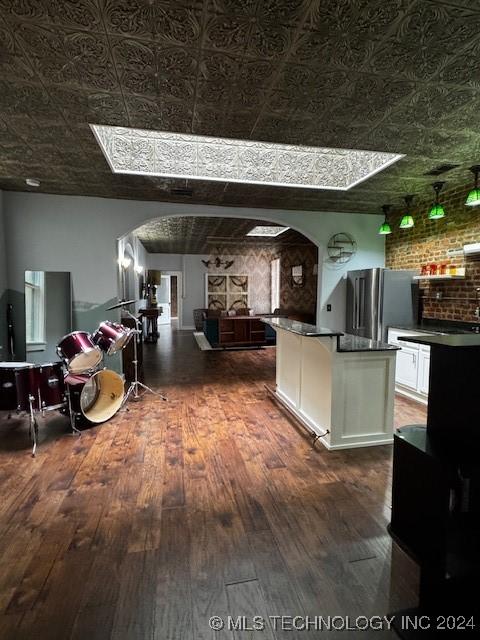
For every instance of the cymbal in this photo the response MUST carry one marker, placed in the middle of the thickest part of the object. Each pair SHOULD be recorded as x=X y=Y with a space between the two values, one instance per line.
x=122 y=303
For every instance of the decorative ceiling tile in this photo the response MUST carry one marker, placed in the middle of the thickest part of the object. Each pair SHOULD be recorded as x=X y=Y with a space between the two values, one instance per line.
x=174 y=61
x=400 y=76
x=128 y=17
x=240 y=7
x=176 y=25
x=35 y=10
x=268 y=40
x=75 y=14
x=227 y=33
x=133 y=54
x=218 y=67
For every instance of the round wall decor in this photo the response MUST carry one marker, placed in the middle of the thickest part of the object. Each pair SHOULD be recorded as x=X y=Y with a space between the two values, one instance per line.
x=341 y=248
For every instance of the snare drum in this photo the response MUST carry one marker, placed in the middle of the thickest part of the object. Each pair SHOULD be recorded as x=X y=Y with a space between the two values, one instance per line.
x=8 y=389
x=111 y=337
x=79 y=352
x=43 y=384
x=96 y=397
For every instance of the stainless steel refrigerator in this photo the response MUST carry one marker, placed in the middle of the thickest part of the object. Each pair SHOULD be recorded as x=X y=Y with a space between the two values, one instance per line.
x=378 y=299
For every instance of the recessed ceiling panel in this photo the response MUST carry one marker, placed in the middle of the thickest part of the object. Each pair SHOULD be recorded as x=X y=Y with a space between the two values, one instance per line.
x=176 y=155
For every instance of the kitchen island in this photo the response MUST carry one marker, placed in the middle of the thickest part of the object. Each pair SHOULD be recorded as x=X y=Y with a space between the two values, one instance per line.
x=340 y=387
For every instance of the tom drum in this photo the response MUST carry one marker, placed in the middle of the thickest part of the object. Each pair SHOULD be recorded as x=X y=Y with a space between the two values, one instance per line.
x=44 y=384
x=8 y=388
x=111 y=337
x=79 y=352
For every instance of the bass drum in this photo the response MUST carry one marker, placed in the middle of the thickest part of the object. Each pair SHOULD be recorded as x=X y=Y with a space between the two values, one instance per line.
x=97 y=397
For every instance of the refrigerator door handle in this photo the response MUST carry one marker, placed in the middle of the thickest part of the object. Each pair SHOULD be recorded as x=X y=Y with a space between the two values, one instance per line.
x=355 y=304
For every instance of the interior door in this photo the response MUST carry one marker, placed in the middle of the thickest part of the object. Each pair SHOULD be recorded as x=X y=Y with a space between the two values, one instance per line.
x=164 y=300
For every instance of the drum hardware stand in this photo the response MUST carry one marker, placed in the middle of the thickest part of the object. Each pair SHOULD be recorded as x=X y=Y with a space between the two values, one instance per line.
x=136 y=384
x=73 y=417
x=33 y=426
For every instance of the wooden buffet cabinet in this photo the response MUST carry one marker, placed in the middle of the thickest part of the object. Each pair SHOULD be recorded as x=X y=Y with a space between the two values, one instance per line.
x=241 y=330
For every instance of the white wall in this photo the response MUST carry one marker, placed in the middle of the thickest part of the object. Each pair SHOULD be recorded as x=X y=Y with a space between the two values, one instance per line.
x=192 y=288
x=79 y=234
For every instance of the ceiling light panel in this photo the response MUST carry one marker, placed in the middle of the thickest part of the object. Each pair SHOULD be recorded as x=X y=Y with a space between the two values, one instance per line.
x=268 y=232
x=175 y=155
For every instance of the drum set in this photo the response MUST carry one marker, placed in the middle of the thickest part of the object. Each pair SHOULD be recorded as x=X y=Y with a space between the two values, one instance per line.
x=75 y=386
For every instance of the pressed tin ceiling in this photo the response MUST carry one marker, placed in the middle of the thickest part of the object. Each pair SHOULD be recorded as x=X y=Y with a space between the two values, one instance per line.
x=398 y=76
x=179 y=155
x=206 y=235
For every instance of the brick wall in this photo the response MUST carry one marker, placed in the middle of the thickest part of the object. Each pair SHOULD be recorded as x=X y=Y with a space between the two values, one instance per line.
x=428 y=242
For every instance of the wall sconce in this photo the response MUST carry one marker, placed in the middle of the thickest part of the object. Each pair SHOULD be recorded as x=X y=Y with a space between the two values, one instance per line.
x=138 y=269
x=124 y=262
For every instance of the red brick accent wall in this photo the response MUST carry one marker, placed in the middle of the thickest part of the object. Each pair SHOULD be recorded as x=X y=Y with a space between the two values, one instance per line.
x=428 y=242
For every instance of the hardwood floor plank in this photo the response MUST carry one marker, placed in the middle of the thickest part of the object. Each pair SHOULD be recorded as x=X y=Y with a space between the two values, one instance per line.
x=173 y=605
x=246 y=601
x=213 y=503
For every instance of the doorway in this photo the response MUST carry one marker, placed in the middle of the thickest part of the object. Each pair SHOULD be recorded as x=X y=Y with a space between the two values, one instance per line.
x=169 y=297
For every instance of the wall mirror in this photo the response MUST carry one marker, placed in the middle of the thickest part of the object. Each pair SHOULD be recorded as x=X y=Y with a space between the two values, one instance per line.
x=48 y=313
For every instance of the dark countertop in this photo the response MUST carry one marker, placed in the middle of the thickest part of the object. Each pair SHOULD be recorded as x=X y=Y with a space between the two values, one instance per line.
x=456 y=340
x=300 y=328
x=432 y=329
x=350 y=343
x=345 y=341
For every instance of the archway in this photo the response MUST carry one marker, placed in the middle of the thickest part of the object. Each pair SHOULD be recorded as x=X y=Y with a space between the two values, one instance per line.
x=198 y=246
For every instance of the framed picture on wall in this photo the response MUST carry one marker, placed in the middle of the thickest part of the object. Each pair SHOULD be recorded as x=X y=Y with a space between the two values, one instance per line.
x=226 y=292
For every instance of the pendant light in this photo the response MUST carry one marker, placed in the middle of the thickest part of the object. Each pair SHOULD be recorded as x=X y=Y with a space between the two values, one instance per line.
x=385 y=229
x=437 y=211
x=473 y=198
x=407 y=220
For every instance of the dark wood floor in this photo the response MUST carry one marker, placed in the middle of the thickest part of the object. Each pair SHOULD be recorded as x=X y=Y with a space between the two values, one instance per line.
x=210 y=504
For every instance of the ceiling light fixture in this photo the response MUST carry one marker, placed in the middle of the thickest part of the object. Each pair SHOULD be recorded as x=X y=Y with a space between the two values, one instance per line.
x=407 y=221
x=33 y=182
x=266 y=231
x=473 y=198
x=437 y=211
x=193 y=157
x=385 y=229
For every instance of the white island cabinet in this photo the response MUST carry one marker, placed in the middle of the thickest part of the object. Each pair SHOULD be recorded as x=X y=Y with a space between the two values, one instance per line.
x=340 y=387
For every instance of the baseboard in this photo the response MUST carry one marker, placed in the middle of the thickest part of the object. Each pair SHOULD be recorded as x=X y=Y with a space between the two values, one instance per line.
x=411 y=395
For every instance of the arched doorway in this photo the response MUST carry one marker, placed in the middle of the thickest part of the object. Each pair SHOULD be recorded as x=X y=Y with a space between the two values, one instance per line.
x=196 y=247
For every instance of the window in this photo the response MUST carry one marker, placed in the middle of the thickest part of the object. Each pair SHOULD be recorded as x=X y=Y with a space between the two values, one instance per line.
x=35 y=307
x=275 y=284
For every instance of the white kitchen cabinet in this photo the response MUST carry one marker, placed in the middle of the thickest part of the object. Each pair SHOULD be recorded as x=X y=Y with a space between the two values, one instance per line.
x=413 y=365
x=406 y=372
x=423 y=370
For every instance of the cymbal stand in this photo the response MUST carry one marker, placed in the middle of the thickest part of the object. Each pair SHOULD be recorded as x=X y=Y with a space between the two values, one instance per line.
x=135 y=385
